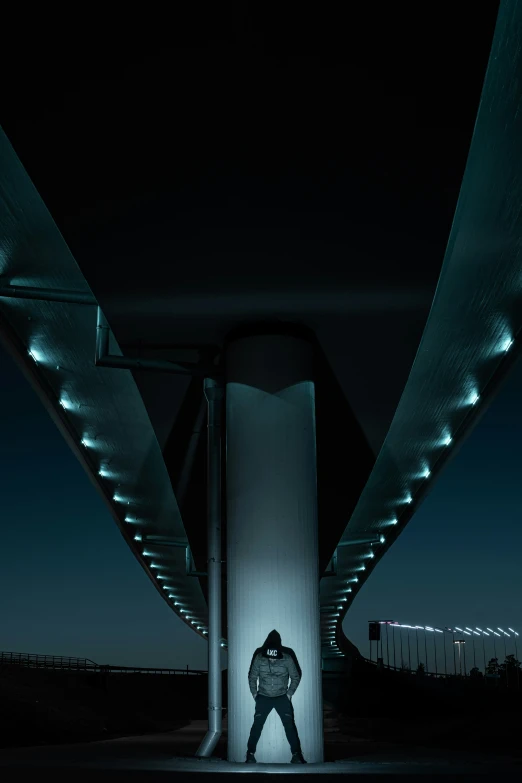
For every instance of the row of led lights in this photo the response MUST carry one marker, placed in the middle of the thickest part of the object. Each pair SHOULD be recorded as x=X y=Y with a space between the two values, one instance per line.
x=447 y=439
x=104 y=472
x=172 y=597
x=466 y=630
x=91 y=443
x=354 y=579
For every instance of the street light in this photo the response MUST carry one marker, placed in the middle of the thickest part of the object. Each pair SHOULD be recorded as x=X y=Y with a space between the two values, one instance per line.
x=459 y=642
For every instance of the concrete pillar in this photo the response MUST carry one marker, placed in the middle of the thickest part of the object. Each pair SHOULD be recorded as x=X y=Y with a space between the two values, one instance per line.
x=272 y=536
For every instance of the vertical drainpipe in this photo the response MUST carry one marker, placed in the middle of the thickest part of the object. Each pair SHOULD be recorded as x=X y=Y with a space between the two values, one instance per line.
x=214 y=395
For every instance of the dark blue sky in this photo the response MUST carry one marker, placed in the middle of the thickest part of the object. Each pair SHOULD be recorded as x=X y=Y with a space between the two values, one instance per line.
x=70 y=585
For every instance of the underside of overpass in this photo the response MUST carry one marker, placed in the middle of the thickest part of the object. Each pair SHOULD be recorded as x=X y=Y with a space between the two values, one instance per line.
x=189 y=197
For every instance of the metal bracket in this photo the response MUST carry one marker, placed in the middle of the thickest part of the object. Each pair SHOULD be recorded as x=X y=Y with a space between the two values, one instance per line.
x=376 y=539
x=333 y=570
x=103 y=358
x=189 y=560
x=45 y=294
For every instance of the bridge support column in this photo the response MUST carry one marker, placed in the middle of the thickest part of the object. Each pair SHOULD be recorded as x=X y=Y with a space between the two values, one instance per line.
x=272 y=535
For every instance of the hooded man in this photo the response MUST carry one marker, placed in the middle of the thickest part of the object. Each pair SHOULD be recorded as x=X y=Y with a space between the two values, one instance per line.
x=274 y=667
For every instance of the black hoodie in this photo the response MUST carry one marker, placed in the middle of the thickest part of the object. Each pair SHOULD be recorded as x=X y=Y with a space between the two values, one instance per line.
x=272 y=645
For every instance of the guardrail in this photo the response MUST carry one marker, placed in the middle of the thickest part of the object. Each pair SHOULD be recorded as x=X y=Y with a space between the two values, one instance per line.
x=37 y=661
x=509 y=678
x=389 y=667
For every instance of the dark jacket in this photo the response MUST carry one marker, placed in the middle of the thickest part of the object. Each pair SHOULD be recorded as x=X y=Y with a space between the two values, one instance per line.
x=273 y=677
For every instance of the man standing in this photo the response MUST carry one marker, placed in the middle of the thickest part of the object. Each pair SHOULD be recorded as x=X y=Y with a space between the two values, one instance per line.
x=273 y=667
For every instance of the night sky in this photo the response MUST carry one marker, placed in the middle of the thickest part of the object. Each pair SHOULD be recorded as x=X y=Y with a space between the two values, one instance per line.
x=69 y=583
x=71 y=586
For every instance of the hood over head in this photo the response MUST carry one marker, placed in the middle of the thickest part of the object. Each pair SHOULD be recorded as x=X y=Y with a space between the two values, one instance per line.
x=272 y=647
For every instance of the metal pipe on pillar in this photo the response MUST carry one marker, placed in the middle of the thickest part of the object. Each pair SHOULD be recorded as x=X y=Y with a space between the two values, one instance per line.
x=214 y=396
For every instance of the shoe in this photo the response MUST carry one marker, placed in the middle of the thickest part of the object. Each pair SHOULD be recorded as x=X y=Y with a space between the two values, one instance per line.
x=250 y=758
x=297 y=758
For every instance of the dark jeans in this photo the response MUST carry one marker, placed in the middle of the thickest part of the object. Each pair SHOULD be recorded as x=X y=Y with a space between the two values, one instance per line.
x=285 y=710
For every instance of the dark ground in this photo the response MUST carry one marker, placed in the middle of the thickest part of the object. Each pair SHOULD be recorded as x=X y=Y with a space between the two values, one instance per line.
x=39 y=706
x=367 y=714
x=445 y=715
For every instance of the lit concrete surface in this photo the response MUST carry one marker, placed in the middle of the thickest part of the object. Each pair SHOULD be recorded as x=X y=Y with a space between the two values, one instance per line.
x=169 y=754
